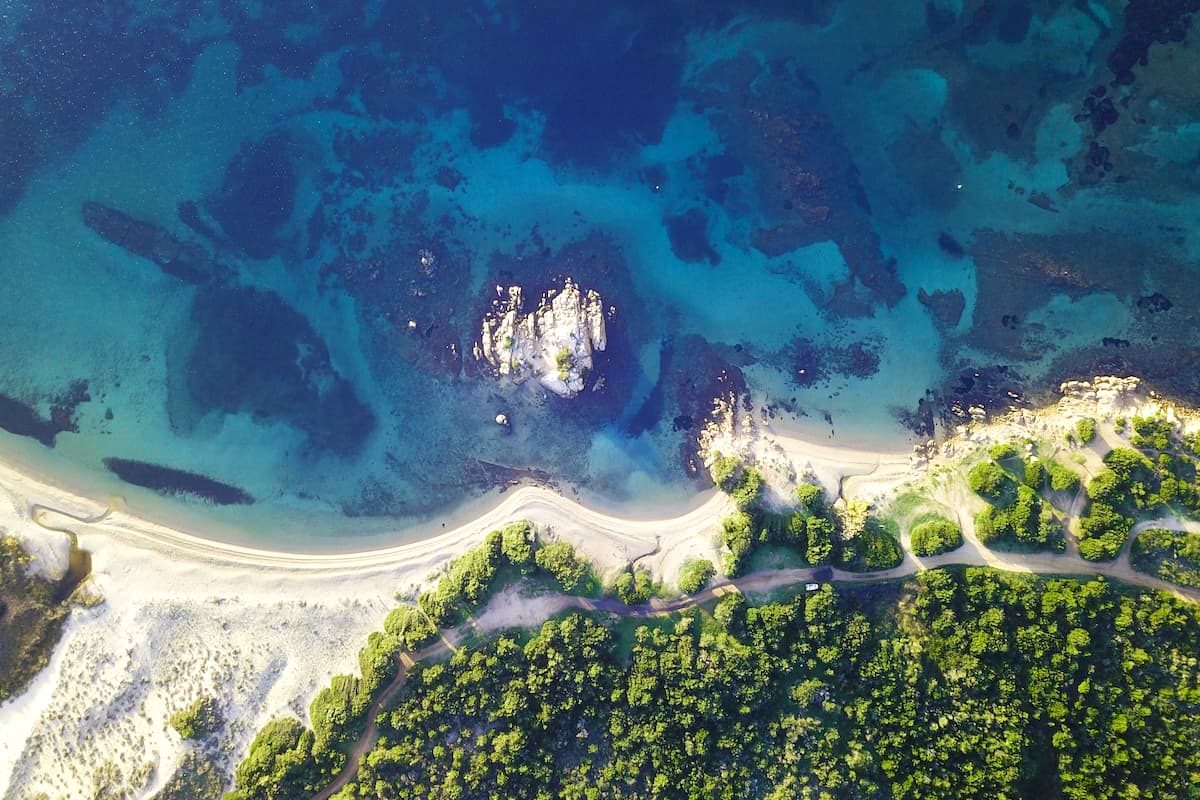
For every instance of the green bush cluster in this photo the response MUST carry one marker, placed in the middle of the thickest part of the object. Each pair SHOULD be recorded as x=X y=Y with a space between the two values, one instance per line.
x=1085 y=430
x=1062 y=479
x=561 y=562
x=280 y=764
x=724 y=471
x=989 y=480
x=1153 y=433
x=289 y=760
x=31 y=619
x=1133 y=484
x=1004 y=451
x=935 y=536
x=198 y=720
x=743 y=483
x=633 y=587
x=695 y=575
x=1171 y=555
x=411 y=626
x=1015 y=513
x=468 y=582
x=812 y=530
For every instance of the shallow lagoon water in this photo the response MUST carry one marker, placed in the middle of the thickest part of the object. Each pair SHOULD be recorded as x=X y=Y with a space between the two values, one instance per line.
x=836 y=164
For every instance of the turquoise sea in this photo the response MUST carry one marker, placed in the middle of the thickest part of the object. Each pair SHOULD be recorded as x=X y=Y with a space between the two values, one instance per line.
x=245 y=247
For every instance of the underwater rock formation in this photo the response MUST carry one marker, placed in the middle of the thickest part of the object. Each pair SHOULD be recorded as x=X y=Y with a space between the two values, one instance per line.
x=254 y=353
x=171 y=481
x=553 y=344
x=187 y=261
x=257 y=196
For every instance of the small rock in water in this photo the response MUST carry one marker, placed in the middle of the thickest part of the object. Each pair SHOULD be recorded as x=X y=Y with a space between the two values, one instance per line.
x=552 y=344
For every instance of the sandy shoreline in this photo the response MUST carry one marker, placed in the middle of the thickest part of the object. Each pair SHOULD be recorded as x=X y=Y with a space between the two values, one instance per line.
x=263 y=629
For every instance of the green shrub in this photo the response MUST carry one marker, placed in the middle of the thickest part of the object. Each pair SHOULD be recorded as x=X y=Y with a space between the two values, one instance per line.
x=1035 y=475
x=1171 y=555
x=1102 y=532
x=991 y=482
x=1061 y=478
x=1129 y=465
x=279 y=764
x=1003 y=451
x=810 y=500
x=878 y=549
x=197 y=720
x=633 y=587
x=695 y=574
x=730 y=611
x=820 y=533
x=516 y=544
x=1024 y=516
x=935 y=536
x=748 y=490
x=409 y=625
x=335 y=712
x=990 y=524
x=563 y=563
x=724 y=471
x=1085 y=430
x=1152 y=432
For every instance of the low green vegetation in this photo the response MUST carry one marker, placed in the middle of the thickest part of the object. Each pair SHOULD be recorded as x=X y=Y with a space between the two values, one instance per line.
x=1152 y=433
x=695 y=575
x=560 y=560
x=634 y=587
x=1016 y=514
x=563 y=362
x=846 y=535
x=1131 y=486
x=1085 y=430
x=1171 y=555
x=507 y=553
x=31 y=618
x=935 y=536
x=1062 y=478
x=198 y=720
x=956 y=683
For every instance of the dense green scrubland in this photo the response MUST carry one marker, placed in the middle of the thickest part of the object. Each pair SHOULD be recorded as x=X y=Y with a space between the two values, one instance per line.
x=31 y=619
x=1171 y=555
x=955 y=683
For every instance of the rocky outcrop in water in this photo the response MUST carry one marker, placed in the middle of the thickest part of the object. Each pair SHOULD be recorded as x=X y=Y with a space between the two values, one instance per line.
x=554 y=344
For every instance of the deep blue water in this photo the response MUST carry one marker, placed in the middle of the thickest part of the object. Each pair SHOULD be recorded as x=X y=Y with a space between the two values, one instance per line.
x=252 y=242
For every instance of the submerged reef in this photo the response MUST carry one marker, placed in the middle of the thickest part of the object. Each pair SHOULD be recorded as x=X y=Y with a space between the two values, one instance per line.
x=170 y=481
x=187 y=261
x=254 y=353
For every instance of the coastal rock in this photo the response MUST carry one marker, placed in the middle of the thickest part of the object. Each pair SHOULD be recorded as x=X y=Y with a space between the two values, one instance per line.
x=554 y=344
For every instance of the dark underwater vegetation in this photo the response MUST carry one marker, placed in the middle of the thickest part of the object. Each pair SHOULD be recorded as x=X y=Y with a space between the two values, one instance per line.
x=255 y=241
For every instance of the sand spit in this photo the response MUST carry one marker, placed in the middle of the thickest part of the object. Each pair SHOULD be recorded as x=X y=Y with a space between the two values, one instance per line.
x=262 y=630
